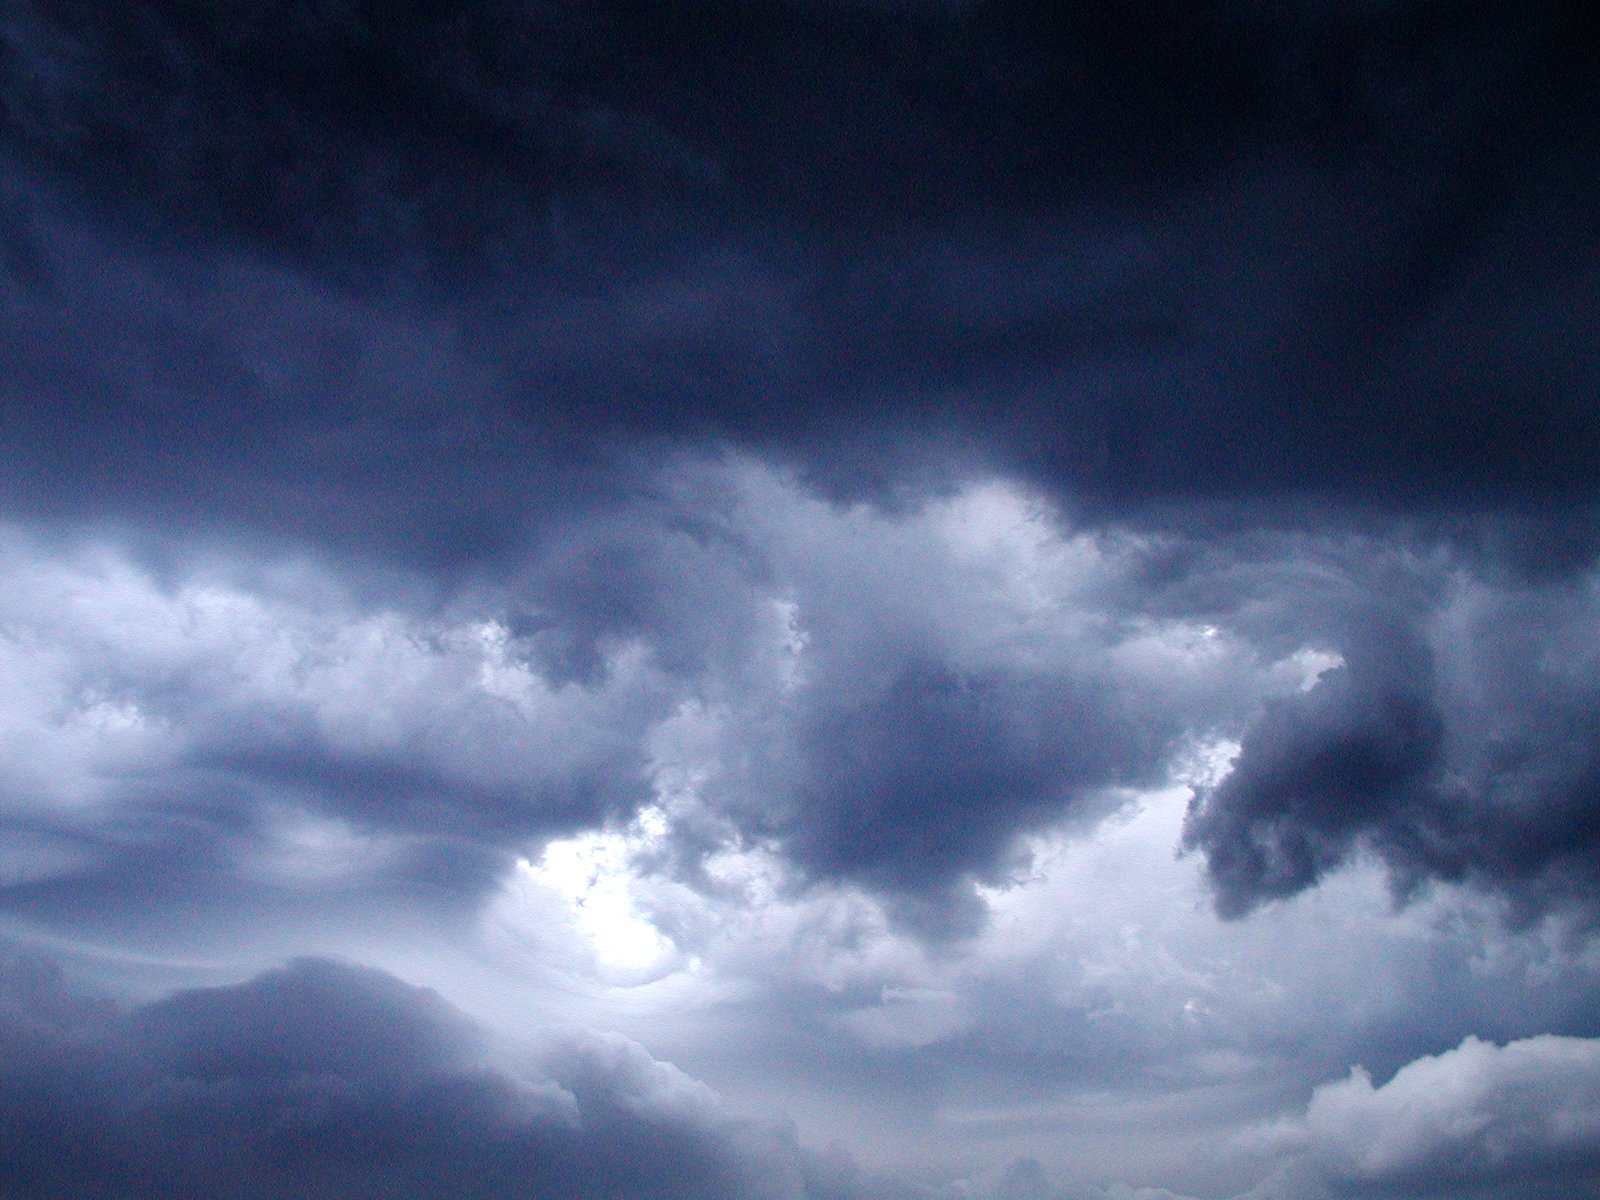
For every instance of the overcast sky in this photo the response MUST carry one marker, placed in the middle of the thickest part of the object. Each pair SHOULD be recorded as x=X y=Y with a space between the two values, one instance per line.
x=799 y=600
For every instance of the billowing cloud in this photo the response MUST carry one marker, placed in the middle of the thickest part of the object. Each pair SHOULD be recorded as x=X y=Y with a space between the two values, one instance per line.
x=287 y=732
x=1456 y=741
x=1520 y=1119
x=1014 y=581
x=890 y=699
x=328 y=1080
x=1312 y=771
x=760 y=664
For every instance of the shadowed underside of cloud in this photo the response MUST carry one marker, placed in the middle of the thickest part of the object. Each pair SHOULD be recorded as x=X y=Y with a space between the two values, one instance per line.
x=427 y=290
x=326 y=1080
x=890 y=700
x=330 y=1081
x=1457 y=743
x=1314 y=773
x=825 y=455
x=1211 y=254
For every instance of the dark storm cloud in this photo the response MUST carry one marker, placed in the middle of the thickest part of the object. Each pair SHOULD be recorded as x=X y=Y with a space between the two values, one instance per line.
x=1458 y=741
x=1312 y=773
x=371 y=138
x=424 y=288
x=326 y=1080
x=929 y=776
x=889 y=698
x=1151 y=256
x=894 y=698
x=823 y=454
x=376 y=133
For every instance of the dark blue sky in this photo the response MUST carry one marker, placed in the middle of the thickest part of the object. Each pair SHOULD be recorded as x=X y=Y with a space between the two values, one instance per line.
x=825 y=600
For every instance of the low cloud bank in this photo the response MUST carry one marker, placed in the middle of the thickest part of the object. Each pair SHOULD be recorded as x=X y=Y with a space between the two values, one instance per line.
x=330 y=1081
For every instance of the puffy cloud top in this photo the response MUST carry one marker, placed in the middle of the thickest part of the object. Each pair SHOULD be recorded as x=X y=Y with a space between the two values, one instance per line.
x=332 y=1081
x=1517 y=1119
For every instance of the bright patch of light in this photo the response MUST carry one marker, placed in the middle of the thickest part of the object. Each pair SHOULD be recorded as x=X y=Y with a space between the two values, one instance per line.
x=110 y=716
x=790 y=669
x=308 y=848
x=593 y=874
x=1012 y=552
x=1207 y=765
x=1314 y=664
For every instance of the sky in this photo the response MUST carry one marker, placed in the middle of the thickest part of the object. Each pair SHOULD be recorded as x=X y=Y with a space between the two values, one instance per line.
x=799 y=600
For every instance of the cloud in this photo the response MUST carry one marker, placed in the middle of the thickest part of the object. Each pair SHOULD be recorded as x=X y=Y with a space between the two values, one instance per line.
x=177 y=735
x=742 y=522
x=1456 y=742
x=1356 y=279
x=1103 y=1020
x=1520 y=1119
x=1309 y=776
x=919 y=688
x=328 y=1080
x=352 y=135
x=334 y=1080
x=888 y=699
x=1486 y=1120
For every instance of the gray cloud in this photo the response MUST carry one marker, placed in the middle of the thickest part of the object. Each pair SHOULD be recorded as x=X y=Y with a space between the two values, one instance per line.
x=891 y=698
x=1310 y=776
x=828 y=454
x=328 y=1080
x=1359 y=273
x=1522 y=1119
x=1478 y=1120
x=1456 y=743
x=252 y=705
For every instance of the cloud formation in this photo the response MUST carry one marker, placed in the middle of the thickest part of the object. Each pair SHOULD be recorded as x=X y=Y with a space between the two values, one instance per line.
x=1018 y=583
x=753 y=661
x=1456 y=742
x=331 y=1081
x=1356 y=274
x=1522 y=1119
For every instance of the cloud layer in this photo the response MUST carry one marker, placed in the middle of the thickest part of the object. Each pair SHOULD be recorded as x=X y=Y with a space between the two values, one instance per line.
x=1456 y=742
x=1014 y=586
x=1356 y=272
x=331 y=1081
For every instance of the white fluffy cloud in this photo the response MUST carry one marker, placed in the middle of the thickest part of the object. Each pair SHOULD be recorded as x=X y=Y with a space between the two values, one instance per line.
x=125 y=690
x=1482 y=1120
x=1476 y=1115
